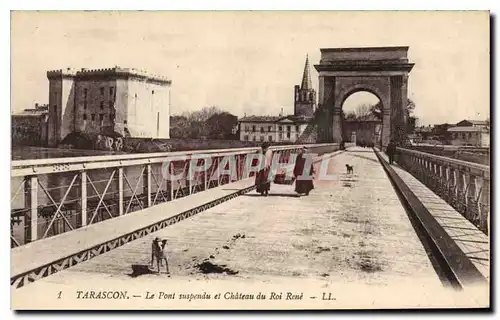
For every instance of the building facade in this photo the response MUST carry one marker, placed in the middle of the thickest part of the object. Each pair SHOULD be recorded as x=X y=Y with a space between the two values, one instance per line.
x=283 y=128
x=272 y=128
x=470 y=133
x=130 y=102
x=365 y=131
x=30 y=127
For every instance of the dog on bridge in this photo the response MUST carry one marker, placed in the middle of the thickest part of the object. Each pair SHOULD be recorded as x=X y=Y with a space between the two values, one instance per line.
x=158 y=252
x=350 y=169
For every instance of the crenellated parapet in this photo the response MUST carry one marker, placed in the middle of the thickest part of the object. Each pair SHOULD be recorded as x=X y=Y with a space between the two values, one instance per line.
x=115 y=73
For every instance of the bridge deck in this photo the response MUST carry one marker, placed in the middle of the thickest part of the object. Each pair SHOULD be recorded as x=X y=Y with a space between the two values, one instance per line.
x=350 y=230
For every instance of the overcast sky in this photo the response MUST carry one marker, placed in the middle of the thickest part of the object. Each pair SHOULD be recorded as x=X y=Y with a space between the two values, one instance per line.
x=248 y=62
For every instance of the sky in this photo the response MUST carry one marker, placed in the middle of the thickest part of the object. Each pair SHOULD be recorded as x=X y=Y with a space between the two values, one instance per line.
x=249 y=62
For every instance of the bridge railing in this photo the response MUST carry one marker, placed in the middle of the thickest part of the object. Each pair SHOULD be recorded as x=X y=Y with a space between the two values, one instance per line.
x=463 y=185
x=53 y=196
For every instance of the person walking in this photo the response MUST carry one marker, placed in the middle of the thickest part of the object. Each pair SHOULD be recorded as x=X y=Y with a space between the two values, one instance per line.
x=303 y=176
x=262 y=181
x=391 y=151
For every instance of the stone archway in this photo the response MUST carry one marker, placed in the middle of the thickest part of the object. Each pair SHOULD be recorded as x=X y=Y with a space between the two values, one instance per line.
x=382 y=71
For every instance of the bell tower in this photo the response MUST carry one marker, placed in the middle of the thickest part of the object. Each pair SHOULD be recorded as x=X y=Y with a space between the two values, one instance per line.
x=305 y=95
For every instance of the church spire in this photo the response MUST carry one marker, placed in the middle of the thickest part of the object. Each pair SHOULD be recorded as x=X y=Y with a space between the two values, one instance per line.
x=306 y=78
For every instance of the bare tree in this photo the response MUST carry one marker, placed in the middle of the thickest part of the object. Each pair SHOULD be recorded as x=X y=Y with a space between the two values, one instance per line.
x=363 y=111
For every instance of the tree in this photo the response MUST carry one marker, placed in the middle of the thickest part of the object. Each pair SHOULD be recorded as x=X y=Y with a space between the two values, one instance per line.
x=363 y=111
x=377 y=109
x=209 y=122
x=441 y=131
x=410 y=120
x=179 y=126
x=220 y=125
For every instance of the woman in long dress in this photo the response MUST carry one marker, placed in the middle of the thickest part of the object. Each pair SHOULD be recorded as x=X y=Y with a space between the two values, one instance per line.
x=303 y=178
x=262 y=181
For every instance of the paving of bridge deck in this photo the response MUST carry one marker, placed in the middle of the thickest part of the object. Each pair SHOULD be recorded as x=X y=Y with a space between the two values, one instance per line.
x=351 y=229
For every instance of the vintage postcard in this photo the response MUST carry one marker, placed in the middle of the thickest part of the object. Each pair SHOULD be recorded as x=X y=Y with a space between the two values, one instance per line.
x=260 y=160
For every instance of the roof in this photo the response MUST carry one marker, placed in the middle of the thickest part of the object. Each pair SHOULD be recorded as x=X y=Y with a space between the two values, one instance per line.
x=474 y=122
x=115 y=71
x=466 y=129
x=276 y=119
x=32 y=112
x=306 y=77
x=259 y=119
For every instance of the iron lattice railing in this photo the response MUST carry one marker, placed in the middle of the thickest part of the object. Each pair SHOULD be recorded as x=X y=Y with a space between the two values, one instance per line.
x=463 y=185
x=53 y=196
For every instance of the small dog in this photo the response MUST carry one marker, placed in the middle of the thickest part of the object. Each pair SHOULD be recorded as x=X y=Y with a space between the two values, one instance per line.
x=350 y=169
x=158 y=251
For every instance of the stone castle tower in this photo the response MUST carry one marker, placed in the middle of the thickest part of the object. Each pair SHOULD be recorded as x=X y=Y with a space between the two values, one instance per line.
x=305 y=95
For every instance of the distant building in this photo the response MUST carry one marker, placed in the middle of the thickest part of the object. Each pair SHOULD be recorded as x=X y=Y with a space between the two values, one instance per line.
x=272 y=128
x=30 y=127
x=470 y=133
x=115 y=100
x=283 y=128
x=362 y=131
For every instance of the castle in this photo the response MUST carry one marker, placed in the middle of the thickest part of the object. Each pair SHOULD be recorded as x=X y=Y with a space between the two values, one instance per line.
x=110 y=101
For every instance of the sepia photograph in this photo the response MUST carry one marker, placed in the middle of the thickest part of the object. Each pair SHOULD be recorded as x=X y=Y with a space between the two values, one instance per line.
x=250 y=160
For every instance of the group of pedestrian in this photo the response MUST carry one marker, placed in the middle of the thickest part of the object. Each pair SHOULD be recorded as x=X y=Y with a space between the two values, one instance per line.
x=302 y=175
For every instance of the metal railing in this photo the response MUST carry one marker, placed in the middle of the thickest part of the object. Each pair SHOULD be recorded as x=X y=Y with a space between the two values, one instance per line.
x=463 y=185
x=53 y=196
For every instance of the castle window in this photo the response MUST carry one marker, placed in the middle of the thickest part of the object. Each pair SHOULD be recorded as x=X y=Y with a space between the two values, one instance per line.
x=85 y=105
x=101 y=117
x=288 y=128
x=297 y=128
x=253 y=128
x=270 y=138
x=280 y=128
x=124 y=121
x=262 y=129
x=153 y=92
x=288 y=135
x=92 y=116
x=111 y=91
x=269 y=129
x=253 y=138
x=85 y=93
x=261 y=138
x=111 y=104
x=102 y=105
x=102 y=91
x=84 y=116
x=245 y=138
